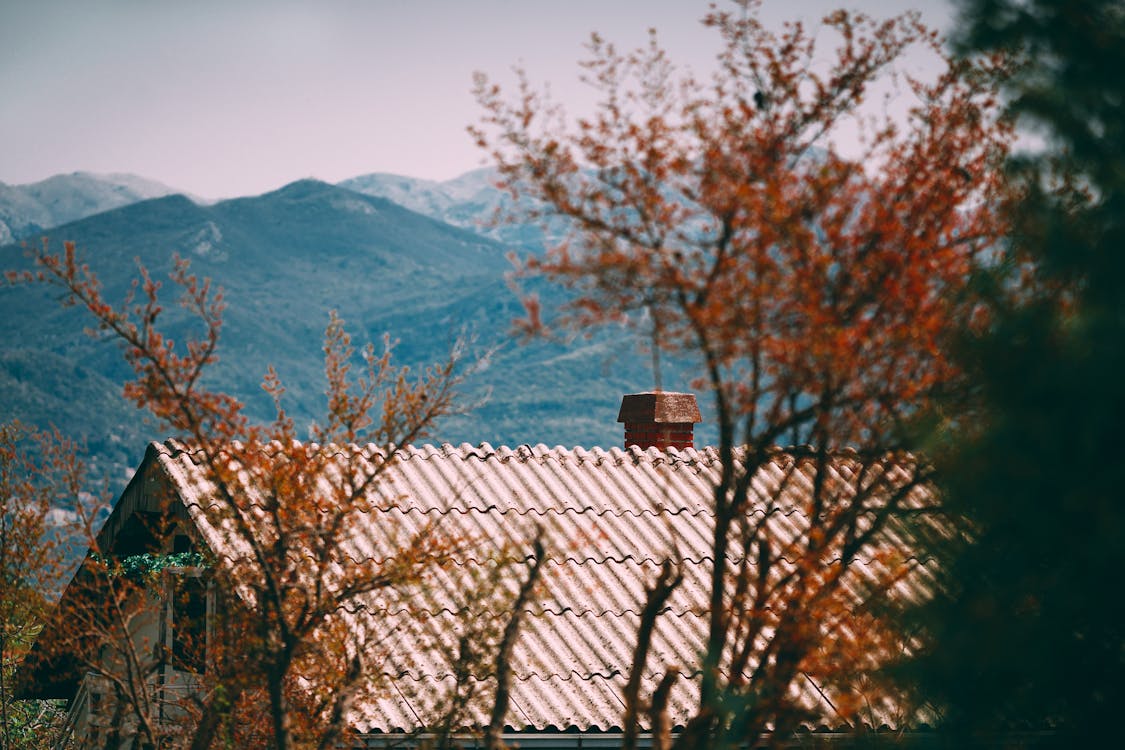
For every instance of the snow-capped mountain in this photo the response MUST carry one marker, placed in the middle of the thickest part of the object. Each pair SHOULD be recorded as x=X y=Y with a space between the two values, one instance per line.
x=26 y=210
x=470 y=201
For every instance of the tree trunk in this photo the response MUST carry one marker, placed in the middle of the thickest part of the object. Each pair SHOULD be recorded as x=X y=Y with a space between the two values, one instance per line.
x=279 y=708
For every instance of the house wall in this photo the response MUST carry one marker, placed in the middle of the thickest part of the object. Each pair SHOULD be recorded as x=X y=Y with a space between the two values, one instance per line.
x=152 y=630
x=151 y=621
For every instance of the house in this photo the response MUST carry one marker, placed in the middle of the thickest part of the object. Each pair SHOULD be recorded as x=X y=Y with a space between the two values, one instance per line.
x=609 y=517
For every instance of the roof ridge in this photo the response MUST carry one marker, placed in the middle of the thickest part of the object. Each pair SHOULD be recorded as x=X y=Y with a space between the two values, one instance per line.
x=485 y=450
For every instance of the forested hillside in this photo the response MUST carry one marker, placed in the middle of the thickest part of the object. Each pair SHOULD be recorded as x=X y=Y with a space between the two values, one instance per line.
x=285 y=259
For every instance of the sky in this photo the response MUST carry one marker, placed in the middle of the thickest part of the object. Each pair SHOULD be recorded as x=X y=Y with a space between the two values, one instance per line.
x=223 y=98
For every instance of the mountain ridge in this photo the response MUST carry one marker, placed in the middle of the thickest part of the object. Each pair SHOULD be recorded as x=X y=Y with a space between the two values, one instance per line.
x=30 y=208
x=470 y=200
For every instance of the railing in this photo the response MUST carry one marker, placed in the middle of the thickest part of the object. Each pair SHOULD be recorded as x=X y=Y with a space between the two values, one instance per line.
x=84 y=710
x=92 y=705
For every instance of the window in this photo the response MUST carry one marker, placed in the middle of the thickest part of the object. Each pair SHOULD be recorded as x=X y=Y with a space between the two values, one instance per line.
x=189 y=623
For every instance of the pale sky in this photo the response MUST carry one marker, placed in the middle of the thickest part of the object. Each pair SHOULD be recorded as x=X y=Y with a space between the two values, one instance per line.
x=236 y=97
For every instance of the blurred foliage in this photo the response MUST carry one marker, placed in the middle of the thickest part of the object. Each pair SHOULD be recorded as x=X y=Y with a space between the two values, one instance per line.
x=1030 y=626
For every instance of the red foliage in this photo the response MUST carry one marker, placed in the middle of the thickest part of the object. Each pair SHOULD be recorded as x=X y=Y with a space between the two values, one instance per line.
x=814 y=287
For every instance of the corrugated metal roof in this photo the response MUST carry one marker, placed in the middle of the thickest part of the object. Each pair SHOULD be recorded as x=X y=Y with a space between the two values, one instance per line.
x=610 y=517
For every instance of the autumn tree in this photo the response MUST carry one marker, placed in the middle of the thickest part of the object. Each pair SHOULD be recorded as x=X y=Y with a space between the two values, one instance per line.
x=1028 y=628
x=281 y=531
x=811 y=253
x=38 y=472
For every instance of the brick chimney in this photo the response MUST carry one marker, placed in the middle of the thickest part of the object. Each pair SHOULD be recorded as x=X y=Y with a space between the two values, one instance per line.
x=659 y=419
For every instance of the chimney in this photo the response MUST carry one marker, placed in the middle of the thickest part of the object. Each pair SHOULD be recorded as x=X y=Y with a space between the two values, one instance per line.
x=659 y=419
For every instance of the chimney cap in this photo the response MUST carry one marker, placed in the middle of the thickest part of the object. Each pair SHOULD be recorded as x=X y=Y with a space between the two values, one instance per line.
x=659 y=407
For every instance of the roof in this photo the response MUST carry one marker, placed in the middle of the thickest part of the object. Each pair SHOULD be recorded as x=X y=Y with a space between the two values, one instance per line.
x=610 y=518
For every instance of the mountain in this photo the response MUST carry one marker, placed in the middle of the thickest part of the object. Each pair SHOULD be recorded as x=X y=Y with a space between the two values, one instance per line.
x=471 y=201
x=426 y=197
x=284 y=260
x=26 y=210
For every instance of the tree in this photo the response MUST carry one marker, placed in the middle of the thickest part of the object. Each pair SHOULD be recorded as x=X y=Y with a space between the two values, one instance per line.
x=280 y=527
x=35 y=469
x=1029 y=629
x=814 y=289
